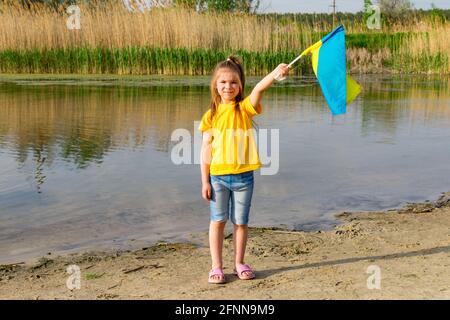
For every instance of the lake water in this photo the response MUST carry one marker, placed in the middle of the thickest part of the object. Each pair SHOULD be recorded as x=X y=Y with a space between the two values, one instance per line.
x=87 y=163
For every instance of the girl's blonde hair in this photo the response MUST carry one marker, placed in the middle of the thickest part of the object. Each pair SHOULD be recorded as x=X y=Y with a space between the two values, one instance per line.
x=232 y=64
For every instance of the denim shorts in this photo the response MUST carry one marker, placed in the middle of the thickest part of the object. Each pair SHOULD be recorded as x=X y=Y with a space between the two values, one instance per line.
x=231 y=197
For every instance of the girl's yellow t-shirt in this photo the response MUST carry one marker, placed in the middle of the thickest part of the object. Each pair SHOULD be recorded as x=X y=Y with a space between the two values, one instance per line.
x=234 y=145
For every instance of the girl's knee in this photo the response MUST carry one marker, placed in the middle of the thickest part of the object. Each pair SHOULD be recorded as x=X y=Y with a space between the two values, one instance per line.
x=218 y=224
x=240 y=226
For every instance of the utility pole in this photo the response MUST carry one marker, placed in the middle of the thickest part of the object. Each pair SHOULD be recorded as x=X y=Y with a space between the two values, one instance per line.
x=334 y=12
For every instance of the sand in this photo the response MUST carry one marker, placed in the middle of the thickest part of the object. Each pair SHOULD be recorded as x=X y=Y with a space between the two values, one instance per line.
x=397 y=254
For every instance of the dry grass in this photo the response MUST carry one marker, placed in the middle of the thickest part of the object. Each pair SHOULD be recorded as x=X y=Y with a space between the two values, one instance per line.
x=362 y=60
x=112 y=26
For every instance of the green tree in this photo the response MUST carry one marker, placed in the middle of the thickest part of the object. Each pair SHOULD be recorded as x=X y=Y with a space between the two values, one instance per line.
x=188 y=4
x=437 y=14
x=395 y=8
x=55 y=4
x=367 y=9
x=245 y=6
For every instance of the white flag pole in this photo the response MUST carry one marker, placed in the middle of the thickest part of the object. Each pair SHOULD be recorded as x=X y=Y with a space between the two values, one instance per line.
x=278 y=76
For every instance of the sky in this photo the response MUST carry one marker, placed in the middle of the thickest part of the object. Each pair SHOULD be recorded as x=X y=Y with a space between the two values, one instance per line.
x=308 y=6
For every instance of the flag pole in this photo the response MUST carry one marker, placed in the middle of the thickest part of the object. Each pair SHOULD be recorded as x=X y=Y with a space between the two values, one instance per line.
x=294 y=61
x=278 y=76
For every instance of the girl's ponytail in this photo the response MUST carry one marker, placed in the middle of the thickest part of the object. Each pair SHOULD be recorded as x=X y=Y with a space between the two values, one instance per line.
x=236 y=63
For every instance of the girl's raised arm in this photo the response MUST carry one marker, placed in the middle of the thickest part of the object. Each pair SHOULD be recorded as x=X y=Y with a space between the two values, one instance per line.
x=264 y=84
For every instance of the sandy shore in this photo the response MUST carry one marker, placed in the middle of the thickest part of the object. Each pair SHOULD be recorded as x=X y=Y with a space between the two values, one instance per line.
x=410 y=247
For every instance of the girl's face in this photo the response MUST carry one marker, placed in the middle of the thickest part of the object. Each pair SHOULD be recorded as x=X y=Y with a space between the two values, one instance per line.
x=228 y=85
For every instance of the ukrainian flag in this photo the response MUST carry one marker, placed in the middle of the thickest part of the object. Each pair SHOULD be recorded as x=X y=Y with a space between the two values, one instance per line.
x=329 y=64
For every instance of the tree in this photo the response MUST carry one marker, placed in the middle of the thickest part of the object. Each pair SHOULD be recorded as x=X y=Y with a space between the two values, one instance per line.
x=367 y=9
x=188 y=4
x=54 y=4
x=248 y=6
x=437 y=14
x=395 y=8
x=245 y=6
x=367 y=4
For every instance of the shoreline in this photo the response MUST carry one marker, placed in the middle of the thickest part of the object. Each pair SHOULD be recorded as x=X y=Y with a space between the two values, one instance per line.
x=12 y=77
x=410 y=246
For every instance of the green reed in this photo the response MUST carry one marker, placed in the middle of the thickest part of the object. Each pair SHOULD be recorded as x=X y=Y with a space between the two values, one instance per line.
x=181 y=61
x=137 y=61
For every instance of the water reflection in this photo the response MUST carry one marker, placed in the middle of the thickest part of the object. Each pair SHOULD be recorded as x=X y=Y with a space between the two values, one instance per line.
x=86 y=123
x=387 y=102
x=89 y=164
x=81 y=125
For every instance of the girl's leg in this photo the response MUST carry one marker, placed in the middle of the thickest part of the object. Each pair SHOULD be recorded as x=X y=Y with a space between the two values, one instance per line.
x=240 y=235
x=216 y=242
x=219 y=205
x=241 y=198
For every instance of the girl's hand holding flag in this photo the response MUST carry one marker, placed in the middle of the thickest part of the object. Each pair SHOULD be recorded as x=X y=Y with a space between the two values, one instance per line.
x=281 y=71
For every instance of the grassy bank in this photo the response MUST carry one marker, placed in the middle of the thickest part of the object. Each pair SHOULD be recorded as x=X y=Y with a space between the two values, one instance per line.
x=166 y=61
x=182 y=42
x=136 y=60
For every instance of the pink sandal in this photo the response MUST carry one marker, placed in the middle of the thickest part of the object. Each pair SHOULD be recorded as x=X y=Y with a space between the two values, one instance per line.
x=241 y=268
x=216 y=272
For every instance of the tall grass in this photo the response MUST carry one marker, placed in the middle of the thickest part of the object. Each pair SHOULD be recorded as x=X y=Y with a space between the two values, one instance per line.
x=112 y=26
x=177 y=41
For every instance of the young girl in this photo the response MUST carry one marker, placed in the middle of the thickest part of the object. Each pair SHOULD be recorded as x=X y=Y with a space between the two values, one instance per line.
x=228 y=159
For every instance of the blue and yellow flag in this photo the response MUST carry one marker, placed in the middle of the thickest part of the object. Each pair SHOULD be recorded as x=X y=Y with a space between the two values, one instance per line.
x=329 y=64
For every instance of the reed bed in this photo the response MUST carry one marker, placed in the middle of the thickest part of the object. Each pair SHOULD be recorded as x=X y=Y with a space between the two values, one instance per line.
x=137 y=61
x=177 y=41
